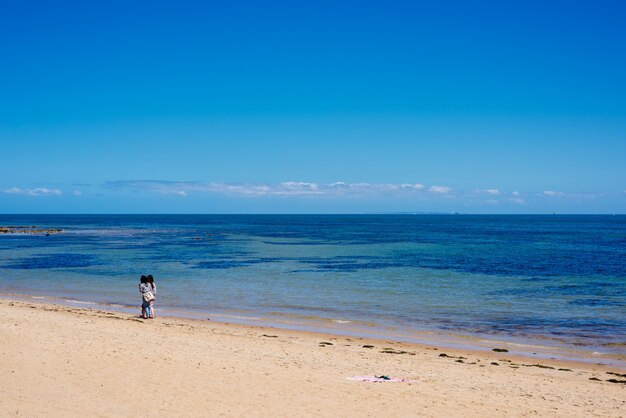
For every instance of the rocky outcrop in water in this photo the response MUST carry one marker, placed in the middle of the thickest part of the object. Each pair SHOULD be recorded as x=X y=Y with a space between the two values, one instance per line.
x=28 y=230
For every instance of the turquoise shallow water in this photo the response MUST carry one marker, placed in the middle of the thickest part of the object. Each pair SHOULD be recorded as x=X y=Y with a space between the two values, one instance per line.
x=557 y=279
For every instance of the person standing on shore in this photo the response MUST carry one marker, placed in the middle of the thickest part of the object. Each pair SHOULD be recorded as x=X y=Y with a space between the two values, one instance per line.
x=147 y=296
x=150 y=281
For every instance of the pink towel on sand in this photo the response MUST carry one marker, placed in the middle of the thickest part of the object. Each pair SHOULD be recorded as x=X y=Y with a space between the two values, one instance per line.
x=381 y=379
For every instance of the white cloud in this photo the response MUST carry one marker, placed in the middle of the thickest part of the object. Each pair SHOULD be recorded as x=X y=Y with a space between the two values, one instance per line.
x=338 y=184
x=337 y=189
x=288 y=188
x=295 y=188
x=493 y=192
x=415 y=186
x=38 y=191
x=439 y=189
x=575 y=195
x=553 y=193
x=77 y=193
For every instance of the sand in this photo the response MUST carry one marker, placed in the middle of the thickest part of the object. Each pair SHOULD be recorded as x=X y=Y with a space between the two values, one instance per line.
x=65 y=361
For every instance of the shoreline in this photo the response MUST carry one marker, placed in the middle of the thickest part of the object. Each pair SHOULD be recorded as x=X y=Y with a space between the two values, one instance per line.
x=531 y=349
x=528 y=348
x=59 y=360
x=459 y=343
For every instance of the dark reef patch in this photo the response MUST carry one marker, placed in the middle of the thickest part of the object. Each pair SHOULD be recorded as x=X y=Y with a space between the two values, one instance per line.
x=47 y=261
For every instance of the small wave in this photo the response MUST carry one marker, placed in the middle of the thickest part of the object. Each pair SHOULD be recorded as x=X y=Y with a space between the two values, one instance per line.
x=513 y=344
x=342 y=321
x=252 y=318
x=82 y=302
x=115 y=304
x=620 y=344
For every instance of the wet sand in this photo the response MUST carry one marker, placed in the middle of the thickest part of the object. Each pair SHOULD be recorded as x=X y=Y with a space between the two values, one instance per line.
x=67 y=361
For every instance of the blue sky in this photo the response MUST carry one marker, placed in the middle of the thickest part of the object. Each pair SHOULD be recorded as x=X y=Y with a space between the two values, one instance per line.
x=317 y=107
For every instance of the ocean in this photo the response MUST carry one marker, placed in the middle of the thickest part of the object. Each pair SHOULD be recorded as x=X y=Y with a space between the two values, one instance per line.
x=553 y=280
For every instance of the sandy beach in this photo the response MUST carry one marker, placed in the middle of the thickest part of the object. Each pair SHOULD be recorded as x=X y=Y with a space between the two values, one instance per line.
x=66 y=361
